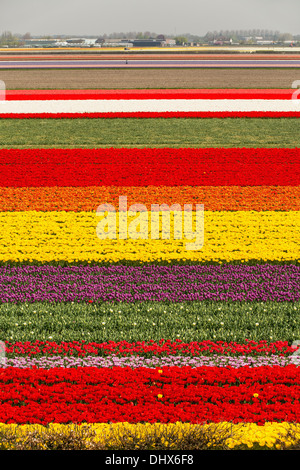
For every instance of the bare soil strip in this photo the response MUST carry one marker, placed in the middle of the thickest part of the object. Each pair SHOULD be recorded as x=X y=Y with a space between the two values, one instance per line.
x=148 y=78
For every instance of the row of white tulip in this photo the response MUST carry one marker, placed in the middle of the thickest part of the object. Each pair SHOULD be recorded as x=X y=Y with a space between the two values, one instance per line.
x=151 y=105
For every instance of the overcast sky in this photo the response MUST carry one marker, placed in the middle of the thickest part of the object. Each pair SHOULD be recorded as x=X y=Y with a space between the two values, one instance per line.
x=96 y=17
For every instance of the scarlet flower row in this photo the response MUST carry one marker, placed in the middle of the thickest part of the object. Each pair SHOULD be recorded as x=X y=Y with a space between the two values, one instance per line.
x=142 y=348
x=156 y=115
x=149 y=166
x=170 y=394
x=146 y=94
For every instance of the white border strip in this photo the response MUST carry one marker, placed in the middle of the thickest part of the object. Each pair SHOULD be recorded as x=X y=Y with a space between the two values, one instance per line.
x=165 y=105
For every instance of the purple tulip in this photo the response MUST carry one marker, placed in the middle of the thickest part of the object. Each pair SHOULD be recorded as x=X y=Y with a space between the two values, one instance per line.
x=175 y=283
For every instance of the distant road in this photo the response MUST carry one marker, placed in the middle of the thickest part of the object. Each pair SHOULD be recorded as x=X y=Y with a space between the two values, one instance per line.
x=162 y=63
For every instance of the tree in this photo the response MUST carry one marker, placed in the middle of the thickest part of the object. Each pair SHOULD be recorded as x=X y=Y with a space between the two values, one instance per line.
x=285 y=37
x=8 y=39
x=181 y=40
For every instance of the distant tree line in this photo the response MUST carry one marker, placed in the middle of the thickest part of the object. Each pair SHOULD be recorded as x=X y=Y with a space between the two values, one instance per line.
x=235 y=35
x=7 y=38
x=130 y=35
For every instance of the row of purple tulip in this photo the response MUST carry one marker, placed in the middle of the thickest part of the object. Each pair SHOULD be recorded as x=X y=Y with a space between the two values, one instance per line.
x=175 y=283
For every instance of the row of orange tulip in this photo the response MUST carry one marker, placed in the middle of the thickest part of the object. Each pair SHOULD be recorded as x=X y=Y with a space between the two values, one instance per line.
x=214 y=198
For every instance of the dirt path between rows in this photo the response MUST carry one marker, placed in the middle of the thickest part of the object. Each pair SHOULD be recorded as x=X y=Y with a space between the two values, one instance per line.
x=149 y=78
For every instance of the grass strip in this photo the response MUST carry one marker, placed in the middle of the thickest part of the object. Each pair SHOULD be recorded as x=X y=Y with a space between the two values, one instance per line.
x=139 y=133
x=144 y=321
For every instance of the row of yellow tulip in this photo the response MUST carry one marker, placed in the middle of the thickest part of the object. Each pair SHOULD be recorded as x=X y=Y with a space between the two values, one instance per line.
x=270 y=434
x=81 y=236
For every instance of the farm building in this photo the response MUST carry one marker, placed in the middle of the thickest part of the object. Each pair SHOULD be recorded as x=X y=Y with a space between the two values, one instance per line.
x=144 y=42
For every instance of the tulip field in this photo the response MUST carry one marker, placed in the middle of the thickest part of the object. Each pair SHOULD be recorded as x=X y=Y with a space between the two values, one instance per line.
x=139 y=333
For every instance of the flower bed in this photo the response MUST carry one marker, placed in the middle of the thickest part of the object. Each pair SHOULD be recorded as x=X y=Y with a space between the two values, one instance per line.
x=144 y=332
x=275 y=93
x=152 y=349
x=87 y=198
x=149 y=283
x=204 y=394
x=154 y=115
x=144 y=167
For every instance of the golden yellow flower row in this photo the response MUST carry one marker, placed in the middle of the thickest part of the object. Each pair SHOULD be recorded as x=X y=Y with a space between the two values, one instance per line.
x=232 y=435
x=204 y=236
